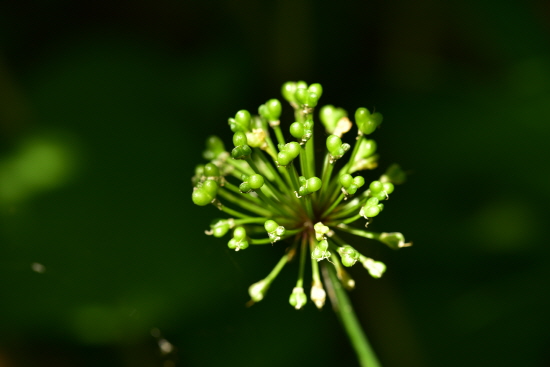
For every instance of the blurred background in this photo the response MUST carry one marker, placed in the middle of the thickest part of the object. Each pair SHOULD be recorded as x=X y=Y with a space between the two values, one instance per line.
x=104 y=109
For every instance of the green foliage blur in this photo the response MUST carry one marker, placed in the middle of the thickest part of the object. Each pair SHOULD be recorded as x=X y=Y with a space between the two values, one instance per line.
x=104 y=109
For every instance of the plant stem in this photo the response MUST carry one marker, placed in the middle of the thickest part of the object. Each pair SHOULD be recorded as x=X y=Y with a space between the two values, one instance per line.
x=343 y=308
x=334 y=205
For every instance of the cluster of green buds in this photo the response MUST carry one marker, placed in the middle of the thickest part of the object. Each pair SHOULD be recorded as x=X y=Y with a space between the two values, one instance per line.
x=268 y=186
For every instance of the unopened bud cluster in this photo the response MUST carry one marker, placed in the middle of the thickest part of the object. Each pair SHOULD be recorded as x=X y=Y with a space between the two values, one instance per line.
x=275 y=192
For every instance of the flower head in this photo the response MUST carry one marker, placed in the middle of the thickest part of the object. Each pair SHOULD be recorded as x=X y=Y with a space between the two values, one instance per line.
x=270 y=186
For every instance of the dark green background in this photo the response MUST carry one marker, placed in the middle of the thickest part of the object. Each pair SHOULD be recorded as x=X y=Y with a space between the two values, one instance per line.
x=104 y=108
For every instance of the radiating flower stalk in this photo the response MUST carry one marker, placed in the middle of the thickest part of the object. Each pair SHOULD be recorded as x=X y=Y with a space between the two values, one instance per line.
x=269 y=186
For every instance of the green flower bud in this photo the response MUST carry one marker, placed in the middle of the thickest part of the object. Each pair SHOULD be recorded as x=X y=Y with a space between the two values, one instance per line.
x=320 y=251
x=333 y=143
x=199 y=174
x=256 y=138
x=367 y=122
x=239 y=138
x=345 y=180
x=238 y=242
x=365 y=158
x=312 y=184
x=211 y=187
x=274 y=231
x=201 y=197
x=336 y=148
x=348 y=255
x=362 y=115
x=350 y=184
x=394 y=240
x=214 y=147
x=394 y=174
x=233 y=244
x=284 y=158
x=318 y=294
x=211 y=170
x=371 y=211
x=263 y=112
x=320 y=231
x=366 y=148
x=375 y=268
x=242 y=118
x=371 y=208
x=348 y=251
x=241 y=152
x=323 y=245
x=288 y=90
x=258 y=290
x=297 y=130
x=347 y=260
x=376 y=186
x=318 y=254
x=293 y=148
x=298 y=298
x=273 y=108
x=317 y=89
x=270 y=225
x=388 y=187
x=288 y=153
x=243 y=246
x=256 y=181
x=367 y=163
x=245 y=188
x=239 y=233
x=330 y=116
x=346 y=279
x=351 y=189
x=301 y=84
x=312 y=99
x=377 y=190
x=301 y=95
x=218 y=228
x=359 y=181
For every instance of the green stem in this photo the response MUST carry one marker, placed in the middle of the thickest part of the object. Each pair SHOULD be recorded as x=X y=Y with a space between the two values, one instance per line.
x=336 y=202
x=358 y=232
x=235 y=189
x=277 y=269
x=346 y=221
x=239 y=168
x=310 y=155
x=343 y=308
x=309 y=205
x=351 y=160
x=260 y=241
x=303 y=163
x=265 y=241
x=250 y=206
x=275 y=206
x=232 y=212
x=325 y=177
x=303 y=252
x=272 y=150
x=279 y=196
x=347 y=209
x=273 y=171
x=279 y=134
